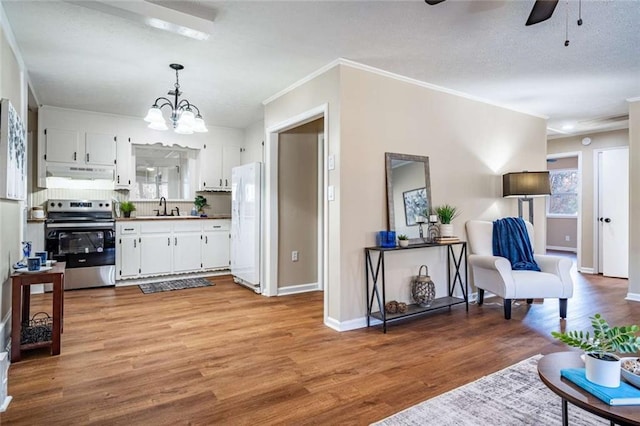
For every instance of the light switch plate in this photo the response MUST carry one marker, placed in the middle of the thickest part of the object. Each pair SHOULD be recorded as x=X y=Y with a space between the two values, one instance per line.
x=331 y=162
x=331 y=193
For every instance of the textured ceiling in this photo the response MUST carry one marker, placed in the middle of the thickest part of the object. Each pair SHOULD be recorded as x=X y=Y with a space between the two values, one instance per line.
x=83 y=58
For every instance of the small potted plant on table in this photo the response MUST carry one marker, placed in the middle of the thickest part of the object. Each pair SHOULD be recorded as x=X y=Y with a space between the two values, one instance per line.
x=446 y=214
x=403 y=240
x=602 y=366
x=126 y=207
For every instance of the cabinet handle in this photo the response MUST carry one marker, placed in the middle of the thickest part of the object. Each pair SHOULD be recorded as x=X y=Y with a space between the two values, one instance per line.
x=204 y=184
x=87 y=157
x=75 y=156
x=217 y=226
x=118 y=180
x=128 y=229
x=168 y=241
x=176 y=240
x=220 y=182
x=134 y=243
x=206 y=239
x=226 y=183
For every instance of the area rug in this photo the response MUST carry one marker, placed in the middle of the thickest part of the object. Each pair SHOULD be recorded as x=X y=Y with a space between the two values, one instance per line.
x=174 y=285
x=513 y=396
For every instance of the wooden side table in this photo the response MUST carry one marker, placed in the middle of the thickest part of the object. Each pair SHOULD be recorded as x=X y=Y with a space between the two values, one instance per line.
x=549 y=368
x=21 y=304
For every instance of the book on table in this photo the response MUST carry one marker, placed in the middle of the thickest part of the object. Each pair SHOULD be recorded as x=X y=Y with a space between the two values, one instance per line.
x=625 y=394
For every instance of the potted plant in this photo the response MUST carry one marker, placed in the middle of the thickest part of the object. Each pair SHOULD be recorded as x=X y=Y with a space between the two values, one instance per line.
x=200 y=202
x=446 y=214
x=602 y=366
x=403 y=240
x=126 y=207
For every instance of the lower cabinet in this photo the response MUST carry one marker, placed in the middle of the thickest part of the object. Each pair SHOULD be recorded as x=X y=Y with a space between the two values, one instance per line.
x=161 y=247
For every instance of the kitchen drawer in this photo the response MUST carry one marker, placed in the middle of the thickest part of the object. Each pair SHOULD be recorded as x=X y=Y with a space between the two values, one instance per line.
x=128 y=228
x=217 y=225
x=156 y=226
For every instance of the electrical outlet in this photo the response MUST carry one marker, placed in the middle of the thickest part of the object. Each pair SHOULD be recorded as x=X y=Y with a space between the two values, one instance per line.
x=294 y=256
x=567 y=238
x=331 y=162
x=331 y=195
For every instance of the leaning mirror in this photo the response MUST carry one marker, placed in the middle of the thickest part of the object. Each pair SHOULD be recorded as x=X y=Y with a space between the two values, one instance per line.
x=408 y=193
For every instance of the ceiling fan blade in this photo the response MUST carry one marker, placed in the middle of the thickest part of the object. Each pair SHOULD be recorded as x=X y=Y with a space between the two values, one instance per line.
x=432 y=2
x=542 y=10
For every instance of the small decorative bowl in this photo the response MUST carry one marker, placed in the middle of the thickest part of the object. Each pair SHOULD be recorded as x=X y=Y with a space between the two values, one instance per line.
x=630 y=377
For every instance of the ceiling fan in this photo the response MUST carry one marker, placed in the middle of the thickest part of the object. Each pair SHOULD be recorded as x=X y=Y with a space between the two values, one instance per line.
x=541 y=11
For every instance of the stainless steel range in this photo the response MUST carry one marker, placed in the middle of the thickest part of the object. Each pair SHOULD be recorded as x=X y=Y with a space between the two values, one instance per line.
x=82 y=233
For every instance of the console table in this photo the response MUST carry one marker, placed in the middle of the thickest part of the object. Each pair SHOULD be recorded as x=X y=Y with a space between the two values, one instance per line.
x=376 y=281
x=21 y=304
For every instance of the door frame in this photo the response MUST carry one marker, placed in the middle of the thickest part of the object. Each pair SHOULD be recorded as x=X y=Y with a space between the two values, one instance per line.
x=579 y=217
x=270 y=205
x=596 y=205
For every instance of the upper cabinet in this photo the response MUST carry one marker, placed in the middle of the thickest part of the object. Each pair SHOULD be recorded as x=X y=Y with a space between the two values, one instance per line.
x=61 y=145
x=124 y=166
x=215 y=163
x=100 y=149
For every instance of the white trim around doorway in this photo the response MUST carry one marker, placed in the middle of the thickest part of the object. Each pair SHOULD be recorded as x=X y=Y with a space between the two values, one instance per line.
x=270 y=206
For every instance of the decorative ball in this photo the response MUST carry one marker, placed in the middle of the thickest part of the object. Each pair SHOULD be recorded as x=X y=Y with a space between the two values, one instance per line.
x=391 y=307
x=402 y=307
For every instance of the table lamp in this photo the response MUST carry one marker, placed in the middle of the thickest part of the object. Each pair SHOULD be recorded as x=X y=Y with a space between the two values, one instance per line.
x=526 y=185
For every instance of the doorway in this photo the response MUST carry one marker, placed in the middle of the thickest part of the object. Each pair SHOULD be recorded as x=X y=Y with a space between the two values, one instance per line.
x=564 y=206
x=277 y=254
x=612 y=212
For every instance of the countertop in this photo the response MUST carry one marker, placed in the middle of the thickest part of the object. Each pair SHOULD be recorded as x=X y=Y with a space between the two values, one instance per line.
x=136 y=219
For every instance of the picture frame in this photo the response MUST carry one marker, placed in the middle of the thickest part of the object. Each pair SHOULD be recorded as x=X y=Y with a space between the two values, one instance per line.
x=415 y=203
x=13 y=153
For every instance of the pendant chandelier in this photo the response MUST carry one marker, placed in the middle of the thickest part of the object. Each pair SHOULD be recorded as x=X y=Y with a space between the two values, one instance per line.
x=183 y=119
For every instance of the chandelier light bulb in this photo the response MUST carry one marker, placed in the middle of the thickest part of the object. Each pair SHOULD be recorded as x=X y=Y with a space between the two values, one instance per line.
x=199 y=125
x=183 y=130
x=186 y=119
x=154 y=115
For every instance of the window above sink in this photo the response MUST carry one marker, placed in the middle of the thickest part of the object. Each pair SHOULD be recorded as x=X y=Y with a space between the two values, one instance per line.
x=163 y=171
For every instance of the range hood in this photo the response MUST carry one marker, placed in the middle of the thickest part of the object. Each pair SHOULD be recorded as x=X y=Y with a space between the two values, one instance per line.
x=74 y=172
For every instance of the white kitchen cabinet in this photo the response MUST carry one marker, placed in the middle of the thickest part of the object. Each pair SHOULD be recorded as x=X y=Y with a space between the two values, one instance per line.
x=216 y=244
x=128 y=256
x=230 y=159
x=100 y=149
x=124 y=169
x=187 y=235
x=161 y=247
x=61 y=146
x=127 y=250
x=215 y=163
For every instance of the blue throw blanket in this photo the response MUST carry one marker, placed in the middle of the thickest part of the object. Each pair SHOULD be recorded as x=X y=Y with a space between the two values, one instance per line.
x=511 y=240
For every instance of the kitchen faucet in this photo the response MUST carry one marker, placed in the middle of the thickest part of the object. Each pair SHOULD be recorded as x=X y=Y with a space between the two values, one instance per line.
x=165 y=205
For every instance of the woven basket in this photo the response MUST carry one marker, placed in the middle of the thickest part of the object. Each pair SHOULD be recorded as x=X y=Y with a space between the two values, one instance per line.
x=423 y=290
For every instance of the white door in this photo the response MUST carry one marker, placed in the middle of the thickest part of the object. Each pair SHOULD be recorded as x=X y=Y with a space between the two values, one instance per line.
x=100 y=149
x=129 y=256
x=230 y=159
x=186 y=252
x=123 y=163
x=155 y=254
x=210 y=167
x=614 y=212
x=215 y=249
x=62 y=145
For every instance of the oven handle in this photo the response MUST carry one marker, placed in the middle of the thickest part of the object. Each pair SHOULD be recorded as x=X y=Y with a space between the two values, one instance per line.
x=101 y=225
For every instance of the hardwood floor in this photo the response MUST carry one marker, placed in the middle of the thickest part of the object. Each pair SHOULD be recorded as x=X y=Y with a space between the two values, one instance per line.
x=224 y=355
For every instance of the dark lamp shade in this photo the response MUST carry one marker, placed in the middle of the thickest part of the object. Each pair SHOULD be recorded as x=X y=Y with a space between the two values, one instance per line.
x=525 y=184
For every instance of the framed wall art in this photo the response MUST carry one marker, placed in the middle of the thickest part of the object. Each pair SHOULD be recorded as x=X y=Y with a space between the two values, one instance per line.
x=415 y=203
x=13 y=153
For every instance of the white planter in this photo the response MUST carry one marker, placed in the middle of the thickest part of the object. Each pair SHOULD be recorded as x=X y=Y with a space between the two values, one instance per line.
x=446 y=230
x=403 y=243
x=602 y=372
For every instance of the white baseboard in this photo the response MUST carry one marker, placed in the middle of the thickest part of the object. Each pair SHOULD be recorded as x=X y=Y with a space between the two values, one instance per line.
x=353 y=324
x=560 y=248
x=635 y=297
x=295 y=289
x=584 y=270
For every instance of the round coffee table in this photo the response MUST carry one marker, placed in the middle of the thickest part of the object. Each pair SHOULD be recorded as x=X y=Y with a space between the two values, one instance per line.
x=549 y=370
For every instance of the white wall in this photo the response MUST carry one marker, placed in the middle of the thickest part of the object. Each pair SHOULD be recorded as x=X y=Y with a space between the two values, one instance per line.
x=470 y=144
x=13 y=87
x=634 y=199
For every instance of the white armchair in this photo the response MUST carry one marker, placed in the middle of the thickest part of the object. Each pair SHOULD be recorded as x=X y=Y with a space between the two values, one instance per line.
x=494 y=273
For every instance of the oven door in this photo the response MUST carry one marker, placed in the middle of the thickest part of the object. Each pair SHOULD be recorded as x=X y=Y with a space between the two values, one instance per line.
x=82 y=245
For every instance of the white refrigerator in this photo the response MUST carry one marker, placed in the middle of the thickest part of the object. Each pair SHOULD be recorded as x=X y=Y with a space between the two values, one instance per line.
x=245 y=225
